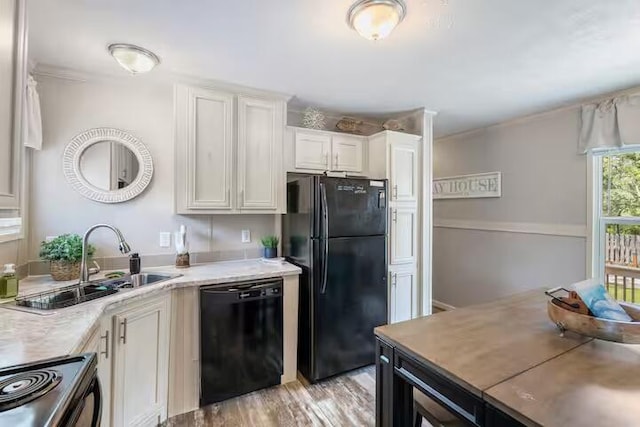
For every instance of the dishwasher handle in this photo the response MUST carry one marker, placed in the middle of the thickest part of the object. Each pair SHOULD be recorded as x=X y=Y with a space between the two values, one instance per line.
x=244 y=293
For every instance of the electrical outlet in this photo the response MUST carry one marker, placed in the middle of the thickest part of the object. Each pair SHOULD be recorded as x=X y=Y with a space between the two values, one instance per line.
x=165 y=239
x=49 y=238
x=246 y=236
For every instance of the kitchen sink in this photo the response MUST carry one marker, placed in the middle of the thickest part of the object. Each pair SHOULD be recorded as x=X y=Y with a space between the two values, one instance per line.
x=80 y=293
x=137 y=280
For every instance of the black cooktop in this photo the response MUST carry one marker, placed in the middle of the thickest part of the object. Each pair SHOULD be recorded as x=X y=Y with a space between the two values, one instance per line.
x=42 y=393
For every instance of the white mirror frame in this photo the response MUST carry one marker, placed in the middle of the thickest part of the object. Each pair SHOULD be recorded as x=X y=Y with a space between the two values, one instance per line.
x=73 y=173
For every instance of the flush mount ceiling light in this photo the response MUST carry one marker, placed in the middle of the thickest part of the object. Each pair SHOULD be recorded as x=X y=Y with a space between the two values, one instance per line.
x=134 y=59
x=376 y=19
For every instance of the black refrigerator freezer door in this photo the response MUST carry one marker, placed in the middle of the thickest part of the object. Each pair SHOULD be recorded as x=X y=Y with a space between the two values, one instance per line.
x=350 y=305
x=354 y=207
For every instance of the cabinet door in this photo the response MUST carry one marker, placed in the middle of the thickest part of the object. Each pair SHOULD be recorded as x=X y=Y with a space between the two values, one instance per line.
x=260 y=140
x=312 y=150
x=141 y=364
x=209 y=155
x=403 y=172
x=105 y=361
x=403 y=235
x=347 y=153
x=403 y=295
x=99 y=343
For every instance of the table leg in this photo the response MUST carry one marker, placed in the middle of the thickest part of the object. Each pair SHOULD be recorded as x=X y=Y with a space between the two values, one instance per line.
x=394 y=396
x=403 y=415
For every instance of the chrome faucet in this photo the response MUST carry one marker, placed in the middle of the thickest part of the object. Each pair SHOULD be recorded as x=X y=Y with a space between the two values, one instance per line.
x=85 y=271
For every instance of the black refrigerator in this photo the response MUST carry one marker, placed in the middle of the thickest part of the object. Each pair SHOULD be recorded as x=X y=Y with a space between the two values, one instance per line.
x=335 y=230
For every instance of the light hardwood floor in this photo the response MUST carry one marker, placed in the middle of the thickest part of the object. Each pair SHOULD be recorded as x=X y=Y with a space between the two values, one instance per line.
x=347 y=400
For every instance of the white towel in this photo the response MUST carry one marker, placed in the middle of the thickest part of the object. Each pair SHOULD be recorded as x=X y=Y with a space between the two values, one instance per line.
x=33 y=116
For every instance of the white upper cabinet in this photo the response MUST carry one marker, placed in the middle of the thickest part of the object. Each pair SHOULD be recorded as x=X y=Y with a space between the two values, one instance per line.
x=347 y=153
x=403 y=167
x=319 y=151
x=260 y=136
x=312 y=150
x=228 y=152
x=13 y=76
x=204 y=126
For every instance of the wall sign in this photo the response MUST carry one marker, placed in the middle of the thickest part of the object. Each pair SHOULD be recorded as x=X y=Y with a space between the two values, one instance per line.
x=468 y=186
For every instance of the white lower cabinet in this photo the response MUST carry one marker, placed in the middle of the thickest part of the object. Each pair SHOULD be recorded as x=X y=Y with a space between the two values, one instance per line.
x=403 y=295
x=99 y=343
x=133 y=363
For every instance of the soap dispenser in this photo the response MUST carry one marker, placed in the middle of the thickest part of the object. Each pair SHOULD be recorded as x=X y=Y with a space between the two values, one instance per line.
x=9 y=282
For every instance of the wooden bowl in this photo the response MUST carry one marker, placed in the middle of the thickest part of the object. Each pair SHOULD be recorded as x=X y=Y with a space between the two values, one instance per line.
x=604 y=329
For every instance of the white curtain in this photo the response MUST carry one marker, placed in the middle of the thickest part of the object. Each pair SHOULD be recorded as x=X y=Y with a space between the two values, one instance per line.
x=32 y=116
x=613 y=123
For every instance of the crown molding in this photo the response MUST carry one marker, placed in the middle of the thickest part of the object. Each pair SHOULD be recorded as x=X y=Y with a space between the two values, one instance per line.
x=541 y=114
x=155 y=77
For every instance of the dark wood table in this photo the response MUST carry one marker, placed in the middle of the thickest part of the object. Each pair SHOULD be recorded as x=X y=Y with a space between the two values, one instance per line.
x=505 y=364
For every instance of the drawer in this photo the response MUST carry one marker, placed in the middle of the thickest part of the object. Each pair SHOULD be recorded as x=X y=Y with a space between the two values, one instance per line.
x=456 y=399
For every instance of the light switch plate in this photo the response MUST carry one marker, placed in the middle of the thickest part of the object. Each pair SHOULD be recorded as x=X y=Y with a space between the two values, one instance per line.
x=165 y=239
x=246 y=236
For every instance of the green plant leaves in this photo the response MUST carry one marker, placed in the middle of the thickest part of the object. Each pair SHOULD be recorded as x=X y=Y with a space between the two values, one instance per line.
x=270 y=241
x=66 y=247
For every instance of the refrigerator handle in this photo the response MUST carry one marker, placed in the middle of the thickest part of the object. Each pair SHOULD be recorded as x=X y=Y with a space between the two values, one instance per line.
x=325 y=237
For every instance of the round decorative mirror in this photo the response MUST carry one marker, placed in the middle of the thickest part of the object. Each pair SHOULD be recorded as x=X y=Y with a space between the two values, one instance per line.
x=107 y=165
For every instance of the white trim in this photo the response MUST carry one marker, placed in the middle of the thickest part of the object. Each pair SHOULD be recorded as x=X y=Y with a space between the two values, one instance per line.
x=565 y=230
x=442 y=306
x=593 y=184
x=425 y=263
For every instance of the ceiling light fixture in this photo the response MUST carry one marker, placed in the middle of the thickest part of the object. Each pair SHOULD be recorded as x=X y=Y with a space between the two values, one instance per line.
x=376 y=19
x=134 y=59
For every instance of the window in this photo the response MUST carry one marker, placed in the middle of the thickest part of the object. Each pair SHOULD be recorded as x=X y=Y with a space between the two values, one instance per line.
x=616 y=222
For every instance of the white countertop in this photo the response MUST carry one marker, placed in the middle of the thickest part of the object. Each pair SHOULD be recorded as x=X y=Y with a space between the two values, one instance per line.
x=27 y=337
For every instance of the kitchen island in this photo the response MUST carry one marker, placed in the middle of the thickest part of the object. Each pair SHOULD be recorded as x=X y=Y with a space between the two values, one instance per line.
x=505 y=364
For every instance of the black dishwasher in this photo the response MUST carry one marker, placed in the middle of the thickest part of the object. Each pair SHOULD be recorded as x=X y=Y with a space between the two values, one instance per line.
x=240 y=338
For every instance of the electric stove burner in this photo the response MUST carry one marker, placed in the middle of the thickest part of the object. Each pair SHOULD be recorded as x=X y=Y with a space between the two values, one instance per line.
x=22 y=388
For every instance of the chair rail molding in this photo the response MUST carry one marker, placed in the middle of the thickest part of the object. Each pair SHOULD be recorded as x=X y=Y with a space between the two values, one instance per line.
x=546 y=229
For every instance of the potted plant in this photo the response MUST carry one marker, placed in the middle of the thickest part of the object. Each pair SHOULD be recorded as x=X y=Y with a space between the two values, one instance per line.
x=65 y=254
x=270 y=246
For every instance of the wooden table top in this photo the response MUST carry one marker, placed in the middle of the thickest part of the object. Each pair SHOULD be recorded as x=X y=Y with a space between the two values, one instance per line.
x=480 y=346
x=597 y=384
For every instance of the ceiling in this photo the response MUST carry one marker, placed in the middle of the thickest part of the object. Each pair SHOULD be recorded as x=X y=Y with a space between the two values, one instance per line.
x=475 y=62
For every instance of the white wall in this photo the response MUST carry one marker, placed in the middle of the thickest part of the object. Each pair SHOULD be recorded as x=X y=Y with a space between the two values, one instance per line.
x=146 y=110
x=544 y=182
